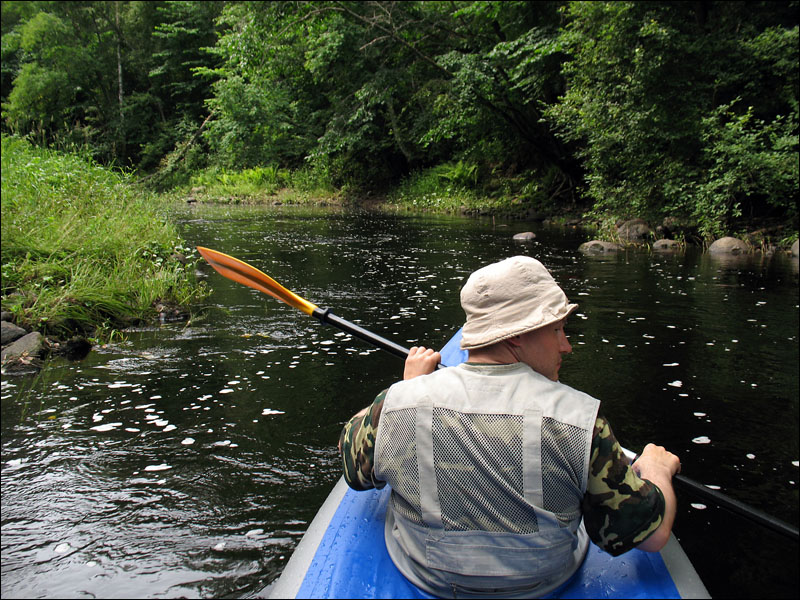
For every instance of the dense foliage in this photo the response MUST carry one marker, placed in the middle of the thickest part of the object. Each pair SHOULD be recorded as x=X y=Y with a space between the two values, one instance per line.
x=113 y=77
x=687 y=110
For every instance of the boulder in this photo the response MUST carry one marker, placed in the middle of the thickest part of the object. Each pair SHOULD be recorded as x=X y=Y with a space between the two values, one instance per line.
x=796 y=248
x=11 y=333
x=634 y=230
x=599 y=247
x=527 y=236
x=27 y=351
x=729 y=245
x=666 y=246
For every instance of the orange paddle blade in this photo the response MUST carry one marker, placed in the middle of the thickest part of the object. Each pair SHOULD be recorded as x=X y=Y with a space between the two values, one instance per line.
x=241 y=272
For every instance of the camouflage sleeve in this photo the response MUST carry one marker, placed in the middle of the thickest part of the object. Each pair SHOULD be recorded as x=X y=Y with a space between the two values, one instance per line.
x=357 y=446
x=620 y=510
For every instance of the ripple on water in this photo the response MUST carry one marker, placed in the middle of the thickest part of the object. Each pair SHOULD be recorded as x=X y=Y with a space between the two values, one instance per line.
x=161 y=467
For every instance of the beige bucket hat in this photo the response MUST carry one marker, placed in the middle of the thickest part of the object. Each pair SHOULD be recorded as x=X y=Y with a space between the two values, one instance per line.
x=509 y=298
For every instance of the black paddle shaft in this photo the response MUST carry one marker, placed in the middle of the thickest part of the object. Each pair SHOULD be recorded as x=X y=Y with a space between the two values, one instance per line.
x=723 y=501
x=324 y=315
x=738 y=507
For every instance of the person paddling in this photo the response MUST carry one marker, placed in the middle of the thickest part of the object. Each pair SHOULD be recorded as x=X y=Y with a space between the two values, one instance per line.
x=500 y=474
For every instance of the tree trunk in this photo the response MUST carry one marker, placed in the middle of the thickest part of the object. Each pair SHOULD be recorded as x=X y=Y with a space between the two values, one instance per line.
x=121 y=128
x=396 y=131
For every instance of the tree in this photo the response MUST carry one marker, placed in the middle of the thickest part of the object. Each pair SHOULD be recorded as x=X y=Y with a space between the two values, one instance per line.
x=370 y=90
x=116 y=77
x=657 y=102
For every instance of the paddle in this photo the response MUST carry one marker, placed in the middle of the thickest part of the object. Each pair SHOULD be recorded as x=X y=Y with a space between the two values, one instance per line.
x=241 y=272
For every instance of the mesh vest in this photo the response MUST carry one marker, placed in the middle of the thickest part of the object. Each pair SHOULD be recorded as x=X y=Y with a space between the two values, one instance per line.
x=488 y=465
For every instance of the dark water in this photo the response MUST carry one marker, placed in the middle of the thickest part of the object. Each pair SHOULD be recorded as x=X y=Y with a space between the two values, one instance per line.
x=188 y=460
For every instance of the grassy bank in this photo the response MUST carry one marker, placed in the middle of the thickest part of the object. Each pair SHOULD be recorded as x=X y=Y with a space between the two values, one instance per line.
x=462 y=188
x=83 y=251
x=258 y=185
x=456 y=188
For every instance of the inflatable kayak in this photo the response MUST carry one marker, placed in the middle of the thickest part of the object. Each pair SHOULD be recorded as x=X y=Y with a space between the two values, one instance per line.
x=343 y=555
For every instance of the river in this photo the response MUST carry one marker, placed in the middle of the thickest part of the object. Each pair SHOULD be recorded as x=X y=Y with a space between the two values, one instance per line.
x=188 y=459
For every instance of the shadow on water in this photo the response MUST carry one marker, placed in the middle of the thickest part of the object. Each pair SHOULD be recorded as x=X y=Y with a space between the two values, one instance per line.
x=188 y=460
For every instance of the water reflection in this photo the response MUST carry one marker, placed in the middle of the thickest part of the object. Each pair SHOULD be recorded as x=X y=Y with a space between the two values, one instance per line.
x=188 y=460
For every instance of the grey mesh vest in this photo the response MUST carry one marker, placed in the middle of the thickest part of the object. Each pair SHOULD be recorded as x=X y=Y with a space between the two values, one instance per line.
x=488 y=465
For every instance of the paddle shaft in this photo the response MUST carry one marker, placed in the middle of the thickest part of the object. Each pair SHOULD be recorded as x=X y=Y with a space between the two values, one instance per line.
x=324 y=315
x=723 y=501
x=680 y=481
x=738 y=507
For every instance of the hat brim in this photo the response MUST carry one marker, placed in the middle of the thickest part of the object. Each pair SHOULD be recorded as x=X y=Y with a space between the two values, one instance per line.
x=473 y=338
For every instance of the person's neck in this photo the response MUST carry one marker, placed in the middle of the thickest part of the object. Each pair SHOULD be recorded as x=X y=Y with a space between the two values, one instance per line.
x=496 y=354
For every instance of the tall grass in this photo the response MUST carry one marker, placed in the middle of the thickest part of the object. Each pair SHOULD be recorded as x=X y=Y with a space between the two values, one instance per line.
x=263 y=184
x=448 y=187
x=256 y=180
x=82 y=250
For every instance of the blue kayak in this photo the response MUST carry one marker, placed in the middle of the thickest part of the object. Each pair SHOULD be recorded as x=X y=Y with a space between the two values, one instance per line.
x=343 y=555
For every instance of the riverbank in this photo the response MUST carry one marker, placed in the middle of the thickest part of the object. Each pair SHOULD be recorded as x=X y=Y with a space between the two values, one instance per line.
x=88 y=252
x=85 y=253
x=762 y=234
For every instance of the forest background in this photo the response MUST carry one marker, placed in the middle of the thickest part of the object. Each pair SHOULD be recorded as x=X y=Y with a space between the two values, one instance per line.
x=685 y=111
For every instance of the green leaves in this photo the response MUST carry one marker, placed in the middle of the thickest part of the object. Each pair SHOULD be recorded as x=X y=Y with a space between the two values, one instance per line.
x=651 y=101
x=747 y=158
x=370 y=90
x=44 y=35
x=632 y=102
x=41 y=96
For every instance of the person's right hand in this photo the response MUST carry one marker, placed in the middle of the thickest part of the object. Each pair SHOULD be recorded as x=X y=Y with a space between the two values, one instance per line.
x=421 y=361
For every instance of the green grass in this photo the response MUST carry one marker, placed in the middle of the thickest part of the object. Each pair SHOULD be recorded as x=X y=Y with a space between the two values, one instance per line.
x=257 y=185
x=453 y=187
x=457 y=188
x=83 y=250
x=266 y=180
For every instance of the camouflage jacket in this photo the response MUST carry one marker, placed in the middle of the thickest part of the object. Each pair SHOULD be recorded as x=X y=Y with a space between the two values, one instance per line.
x=620 y=510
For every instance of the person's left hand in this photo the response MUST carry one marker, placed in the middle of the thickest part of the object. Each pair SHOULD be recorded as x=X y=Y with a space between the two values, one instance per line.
x=421 y=361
